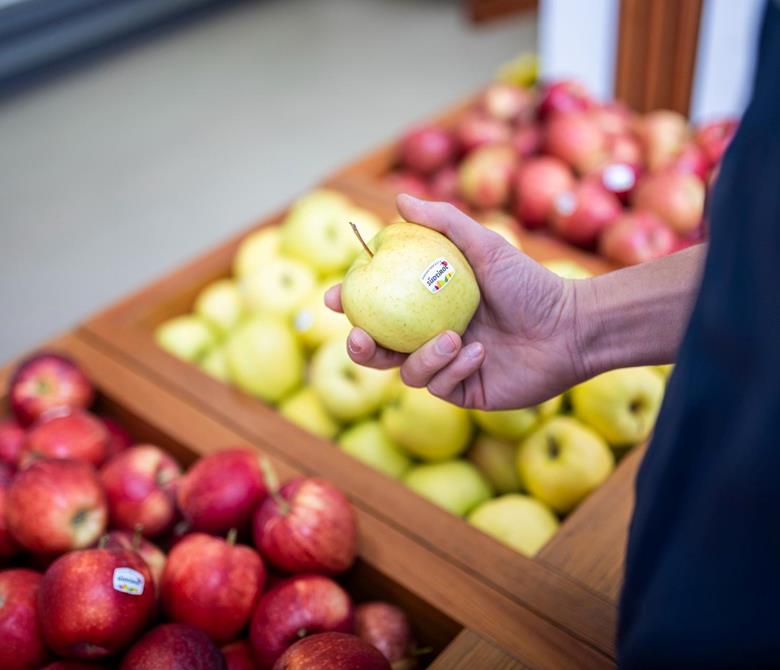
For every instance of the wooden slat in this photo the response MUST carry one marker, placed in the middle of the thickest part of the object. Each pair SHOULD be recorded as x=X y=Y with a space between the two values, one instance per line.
x=469 y=651
x=487 y=10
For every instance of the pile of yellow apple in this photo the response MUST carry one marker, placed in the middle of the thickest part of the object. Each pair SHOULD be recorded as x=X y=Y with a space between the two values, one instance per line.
x=513 y=474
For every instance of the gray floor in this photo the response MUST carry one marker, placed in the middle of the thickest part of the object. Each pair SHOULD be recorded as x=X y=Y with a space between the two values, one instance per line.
x=114 y=173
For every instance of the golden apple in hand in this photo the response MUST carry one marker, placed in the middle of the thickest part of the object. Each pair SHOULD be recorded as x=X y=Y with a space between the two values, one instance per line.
x=257 y=250
x=457 y=485
x=562 y=461
x=496 y=459
x=368 y=442
x=305 y=409
x=411 y=284
x=512 y=424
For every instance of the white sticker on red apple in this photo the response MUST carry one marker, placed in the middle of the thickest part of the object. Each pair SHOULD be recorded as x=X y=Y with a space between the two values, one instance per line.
x=127 y=580
x=437 y=275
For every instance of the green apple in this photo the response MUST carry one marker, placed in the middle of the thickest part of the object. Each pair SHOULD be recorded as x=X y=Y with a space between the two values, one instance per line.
x=520 y=522
x=621 y=404
x=512 y=424
x=368 y=442
x=278 y=288
x=457 y=485
x=220 y=303
x=562 y=461
x=188 y=337
x=315 y=323
x=215 y=364
x=347 y=390
x=256 y=250
x=426 y=426
x=496 y=460
x=414 y=285
x=305 y=409
x=567 y=269
x=316 y=231
x=664 y=370
x=264 y=358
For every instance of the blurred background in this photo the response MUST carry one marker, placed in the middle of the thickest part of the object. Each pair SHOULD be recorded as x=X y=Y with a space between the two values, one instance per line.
x=135 y=133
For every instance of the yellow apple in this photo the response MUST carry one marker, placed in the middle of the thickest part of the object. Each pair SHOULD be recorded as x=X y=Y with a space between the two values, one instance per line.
x=567 y=269
x=503 y=224
x=512 y=424
x=305 y=409
x=664 y=370
x=457 y=485
x=257 y=250
x=278 y=288
x=220 y=303
x=187 y=337
x=315 y=323
x=215 y=364
x=368 y=442
x=496 y=460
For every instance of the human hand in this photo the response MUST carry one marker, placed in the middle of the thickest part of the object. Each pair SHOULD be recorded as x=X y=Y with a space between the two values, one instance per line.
x=520 y=347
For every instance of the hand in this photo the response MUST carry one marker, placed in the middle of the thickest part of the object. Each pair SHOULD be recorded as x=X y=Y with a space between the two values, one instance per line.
x=519 y=348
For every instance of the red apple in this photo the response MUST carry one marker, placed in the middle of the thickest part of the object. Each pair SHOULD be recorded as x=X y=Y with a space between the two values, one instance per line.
x=21 y=640
x=636 y=237
x=45 y=381
x=221 y=491
x=8 y=546
x=293 y=609
x=12 y=437
x=508 y=103
x=444 y=184
x=152 y=555
x=308 y=526
x=93 y=603
x=527 y=140
x=476 y=130
x=402 y=181
x=539 y=181
x=332 y=651
x=619 y=179
x=119 y=438
x=55 y=506
x=579 y=215
x=691 y=160
x=212 y=584
x=576 y=139
x=714 y=138
x=662 y=134
x=624 y=149
x=426 y=149
x=485 y=176
x=563 y=96
x=675 y=197
x=238 y=656
x=614 y=118
x=140 y=484
x=74 y=665
x=174 y=646
x=386 y=627
x=76 y=435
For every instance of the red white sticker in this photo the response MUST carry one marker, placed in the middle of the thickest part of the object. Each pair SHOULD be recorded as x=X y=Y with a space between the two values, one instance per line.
x=129 y=581
x=437 y=275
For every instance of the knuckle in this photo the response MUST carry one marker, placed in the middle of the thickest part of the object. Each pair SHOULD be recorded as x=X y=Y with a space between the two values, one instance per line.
x=409 y=377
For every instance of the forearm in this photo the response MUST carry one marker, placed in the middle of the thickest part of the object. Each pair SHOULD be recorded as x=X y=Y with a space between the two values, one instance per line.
x=637 y=315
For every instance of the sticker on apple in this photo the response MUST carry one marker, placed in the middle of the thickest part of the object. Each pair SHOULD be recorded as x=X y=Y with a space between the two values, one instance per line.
x=437 y=275
x=127 y=580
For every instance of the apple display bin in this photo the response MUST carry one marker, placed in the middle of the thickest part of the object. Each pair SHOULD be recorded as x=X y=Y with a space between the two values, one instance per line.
x=571 y=585
x=466 y=623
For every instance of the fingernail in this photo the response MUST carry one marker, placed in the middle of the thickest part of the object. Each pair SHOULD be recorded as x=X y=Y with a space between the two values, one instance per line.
x=353 y=348
x=474 y=350
x=445 y=344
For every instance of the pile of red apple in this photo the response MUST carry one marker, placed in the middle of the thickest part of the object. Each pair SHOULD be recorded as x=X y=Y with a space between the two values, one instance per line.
x=248 y=579
x=599 y=176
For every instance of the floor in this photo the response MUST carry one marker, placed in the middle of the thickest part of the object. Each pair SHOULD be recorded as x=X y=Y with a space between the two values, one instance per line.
x=114 y=173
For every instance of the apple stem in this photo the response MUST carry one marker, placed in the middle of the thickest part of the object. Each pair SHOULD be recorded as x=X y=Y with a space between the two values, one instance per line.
x=421 y=651
x=231 y=536
x=360 y=237
x=302 y=632
x=137 y=532
x=103 y=541
x=272 y=484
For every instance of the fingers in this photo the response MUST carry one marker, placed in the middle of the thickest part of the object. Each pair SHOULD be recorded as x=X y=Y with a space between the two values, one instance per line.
x=363 y=350
x=467 y=363
x=333 y=298
x=431 y=357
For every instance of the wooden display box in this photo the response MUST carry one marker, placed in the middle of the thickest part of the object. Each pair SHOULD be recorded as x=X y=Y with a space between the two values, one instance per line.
x=571 y=585
x=466 y=624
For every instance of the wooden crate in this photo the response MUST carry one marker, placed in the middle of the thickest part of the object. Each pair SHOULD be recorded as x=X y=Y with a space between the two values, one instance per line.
x=465 y=622
x=572 y=584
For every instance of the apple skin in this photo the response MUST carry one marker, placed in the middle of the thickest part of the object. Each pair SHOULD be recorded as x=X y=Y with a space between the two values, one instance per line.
x=518 y=521
x=404 y=181
x=567 y=269
x=278 y=288
x=714 y=138
x=675 y=197
x=221 y=491
x=256 y=249
x=512 y=424
x=220 y=303
x=8 y=546
x=238 y=656
x=444 y=184
x=527 y=140
x=187 y=337
x=563 y=96
x=174 y=646
x=294 y=608
x=662 y=134
x=314 y=323
x=485 y=176
x=537 y=184
x=691 y=160
x=387 y=628
x=426 y=149
x=212 y=584
x=457 y=486
x=309 y=526
x=614 y=118
x=55 y=506
x=508 y=103
x=386 y=296
x=577 y=140
x=152 y=555
x=636 y=237
x=332 y=651
x=619 y=178
x=581 y=214
x=477 y=130
x=305 y=409
x=82 y=615
x=21 y=645
x=74 y=665
x=45 y=381
x=495 y=459
x=140 y=485
x=119 y=439
x=12 y=437
x=368 y=442
x=77 y=435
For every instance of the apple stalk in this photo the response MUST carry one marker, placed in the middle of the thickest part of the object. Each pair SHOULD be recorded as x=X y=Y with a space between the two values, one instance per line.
x=360 y=238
